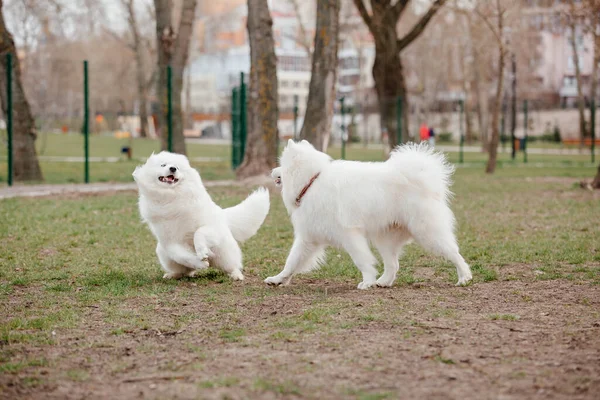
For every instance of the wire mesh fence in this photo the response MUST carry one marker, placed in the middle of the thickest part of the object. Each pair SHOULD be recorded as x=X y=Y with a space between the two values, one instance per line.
x=117 y=142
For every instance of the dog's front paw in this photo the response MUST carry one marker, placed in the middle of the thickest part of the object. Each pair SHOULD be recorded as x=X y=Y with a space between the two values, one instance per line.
x=172 y=275
x=203 y=263
x=464 y=280
x=384 y=283
x=365 y=285
x=236 y=275
x=277 y=281
x=273 y=281
x=191 y=273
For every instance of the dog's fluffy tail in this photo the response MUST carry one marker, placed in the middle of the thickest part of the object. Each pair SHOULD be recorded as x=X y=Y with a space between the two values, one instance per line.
x=245 y=218
x=423 y=165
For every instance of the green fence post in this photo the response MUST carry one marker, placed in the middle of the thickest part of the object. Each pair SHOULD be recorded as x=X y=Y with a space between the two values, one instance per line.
x=593 y=130
x=462 y=135
x=86 y=122
x=235 y=137
x=343 y=130
x=399 y=139
x=170 y=108
x=525 y=126
x=503 y=128
x=243 y=119
x=295 y=117
x=9 y=117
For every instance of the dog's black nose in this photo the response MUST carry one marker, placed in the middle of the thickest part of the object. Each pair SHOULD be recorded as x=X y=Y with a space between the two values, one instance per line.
x=173 y=169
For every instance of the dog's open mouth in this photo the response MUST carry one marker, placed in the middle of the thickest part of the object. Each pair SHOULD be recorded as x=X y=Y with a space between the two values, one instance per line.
x=168 y=179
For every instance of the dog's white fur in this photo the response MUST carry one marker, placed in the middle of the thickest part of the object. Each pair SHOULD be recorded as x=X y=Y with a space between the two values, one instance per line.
x=192 y=231
x=353 y=203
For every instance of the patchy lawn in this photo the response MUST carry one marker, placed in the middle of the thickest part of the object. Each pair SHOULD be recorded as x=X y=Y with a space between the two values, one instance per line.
x=85 y=314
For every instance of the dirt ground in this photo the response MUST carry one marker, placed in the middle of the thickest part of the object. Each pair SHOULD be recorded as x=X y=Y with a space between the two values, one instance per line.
x=505 y=339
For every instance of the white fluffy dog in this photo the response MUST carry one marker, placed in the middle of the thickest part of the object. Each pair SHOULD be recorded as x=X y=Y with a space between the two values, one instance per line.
x=192 y=231
x=349 y=204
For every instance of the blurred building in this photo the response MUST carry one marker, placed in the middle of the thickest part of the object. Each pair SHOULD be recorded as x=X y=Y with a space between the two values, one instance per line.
x=221 y=53
x=554 y=67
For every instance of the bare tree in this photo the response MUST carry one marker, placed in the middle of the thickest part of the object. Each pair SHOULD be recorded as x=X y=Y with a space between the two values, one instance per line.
x=26 y=165
x=261 y=144
x=321 y=91
x=302 y=38
x=574 y=19
x=494 y=17
x=594 y=29
x=140 y=47
x=173 y=42
x=388 y=70
x=593 y=9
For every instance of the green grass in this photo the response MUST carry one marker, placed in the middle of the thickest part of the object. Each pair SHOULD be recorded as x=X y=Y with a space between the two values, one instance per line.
x=73 y=252
x=285 y=388
x=56 y=145
x=504 y=317
x=66 y=261
x=71 y=145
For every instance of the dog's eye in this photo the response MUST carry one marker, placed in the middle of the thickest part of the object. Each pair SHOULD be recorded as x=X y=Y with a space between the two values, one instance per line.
x=164 y=165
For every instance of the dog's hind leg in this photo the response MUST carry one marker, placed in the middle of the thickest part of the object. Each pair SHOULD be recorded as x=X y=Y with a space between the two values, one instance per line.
x=357 y=246
x=434 y=231
x=302 y=258
x=228 y=257
x=390 y=244
x=172 y=269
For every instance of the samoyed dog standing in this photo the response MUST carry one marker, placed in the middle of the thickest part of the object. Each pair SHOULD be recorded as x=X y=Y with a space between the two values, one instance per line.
x=351 y=204
x=192 y=231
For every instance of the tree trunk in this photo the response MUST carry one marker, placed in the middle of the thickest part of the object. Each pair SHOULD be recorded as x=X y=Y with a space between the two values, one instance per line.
x=142 y=85
x=140 y=65
x=596 y=181
x=173 y=48
x=387 y=69
x=482 y=108
x=321 y=93
x=388 y=75
x=580 y=97
x=596 y=61
x=493 y=144
x=468 y=123
x=513 y=107
x=25 y=162
x=263 y=113
x=143 y=101
x=481 y=105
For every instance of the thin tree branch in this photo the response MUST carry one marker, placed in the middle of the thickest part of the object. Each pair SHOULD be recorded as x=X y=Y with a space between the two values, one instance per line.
x=119 y=39
x=360 y=5
x=152 y=78
x=304 y=40
x=420 y=26
x=398 y=8
x=489 y=25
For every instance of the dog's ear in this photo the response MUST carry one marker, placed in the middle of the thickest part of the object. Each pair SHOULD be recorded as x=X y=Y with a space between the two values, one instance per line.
x=136 y=171
x=291 y=143
x=304 y=141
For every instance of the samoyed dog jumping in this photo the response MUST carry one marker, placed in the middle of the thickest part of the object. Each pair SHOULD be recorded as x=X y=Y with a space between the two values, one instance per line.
x=351 y=204
x=192 y=231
